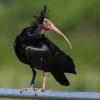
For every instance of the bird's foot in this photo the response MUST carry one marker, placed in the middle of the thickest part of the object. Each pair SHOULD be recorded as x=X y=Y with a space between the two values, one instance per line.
x=43 y=90
x=38 y=90
x=26 y=89
x=35 y=90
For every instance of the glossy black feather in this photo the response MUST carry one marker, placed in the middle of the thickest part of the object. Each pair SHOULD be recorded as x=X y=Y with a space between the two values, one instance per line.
x=61 y=78
x=53 y=59
x=41 y=16
x=39 y=52
x=63 y=61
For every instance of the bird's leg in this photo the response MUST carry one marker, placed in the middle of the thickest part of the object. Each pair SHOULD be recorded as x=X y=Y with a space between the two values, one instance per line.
x=44 y=81
x=33 y=79
x=31 y=85
x=43 y=84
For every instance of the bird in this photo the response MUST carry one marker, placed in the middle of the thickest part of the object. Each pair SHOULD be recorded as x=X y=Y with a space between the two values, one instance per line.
x=33 y=48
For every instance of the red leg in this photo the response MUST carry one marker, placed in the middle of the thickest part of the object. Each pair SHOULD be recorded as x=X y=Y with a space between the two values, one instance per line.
x=44 y=81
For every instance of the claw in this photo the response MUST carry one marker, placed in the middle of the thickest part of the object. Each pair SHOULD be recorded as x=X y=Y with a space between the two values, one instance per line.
x=43 y=90
x=38 y=90
x=26 y=89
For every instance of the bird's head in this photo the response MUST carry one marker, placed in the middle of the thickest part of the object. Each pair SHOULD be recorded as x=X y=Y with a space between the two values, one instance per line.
x=48 y=25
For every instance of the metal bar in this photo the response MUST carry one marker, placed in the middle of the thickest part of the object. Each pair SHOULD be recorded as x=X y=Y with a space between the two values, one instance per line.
x=49 y=94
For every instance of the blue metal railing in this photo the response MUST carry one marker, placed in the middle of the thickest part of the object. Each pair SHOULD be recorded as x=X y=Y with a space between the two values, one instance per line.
x=15 y=93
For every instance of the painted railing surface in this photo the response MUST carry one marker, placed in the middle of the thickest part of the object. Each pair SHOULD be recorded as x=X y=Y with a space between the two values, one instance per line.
x=49 y=94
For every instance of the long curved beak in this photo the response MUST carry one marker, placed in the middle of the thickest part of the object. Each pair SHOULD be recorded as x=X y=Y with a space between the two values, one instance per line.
x=53 y=28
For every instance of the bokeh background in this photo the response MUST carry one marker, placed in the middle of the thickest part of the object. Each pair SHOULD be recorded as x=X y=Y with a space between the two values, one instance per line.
x=78 y=19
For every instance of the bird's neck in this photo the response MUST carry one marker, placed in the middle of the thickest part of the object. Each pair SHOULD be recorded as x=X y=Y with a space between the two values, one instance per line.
x=39 y=30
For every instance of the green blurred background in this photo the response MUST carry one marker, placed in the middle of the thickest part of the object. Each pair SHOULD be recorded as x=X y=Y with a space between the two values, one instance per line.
x=78 y=19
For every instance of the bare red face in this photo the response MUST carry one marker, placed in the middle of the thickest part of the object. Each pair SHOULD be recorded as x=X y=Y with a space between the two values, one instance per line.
x=48 y=25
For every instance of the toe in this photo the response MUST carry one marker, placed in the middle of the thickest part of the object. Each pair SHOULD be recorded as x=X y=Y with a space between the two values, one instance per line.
x=43 y=90
x=26 y=89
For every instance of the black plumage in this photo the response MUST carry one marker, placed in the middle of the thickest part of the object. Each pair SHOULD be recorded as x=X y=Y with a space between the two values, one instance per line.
x=36 y=50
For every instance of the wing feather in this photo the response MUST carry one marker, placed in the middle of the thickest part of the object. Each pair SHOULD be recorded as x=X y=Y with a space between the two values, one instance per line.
x=61 y=78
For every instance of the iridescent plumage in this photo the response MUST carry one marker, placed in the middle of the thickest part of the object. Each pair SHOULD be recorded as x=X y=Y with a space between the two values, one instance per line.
x=36 y=50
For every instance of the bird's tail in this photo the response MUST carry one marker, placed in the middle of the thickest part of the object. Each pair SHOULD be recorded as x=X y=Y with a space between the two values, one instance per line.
x=61 y=78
